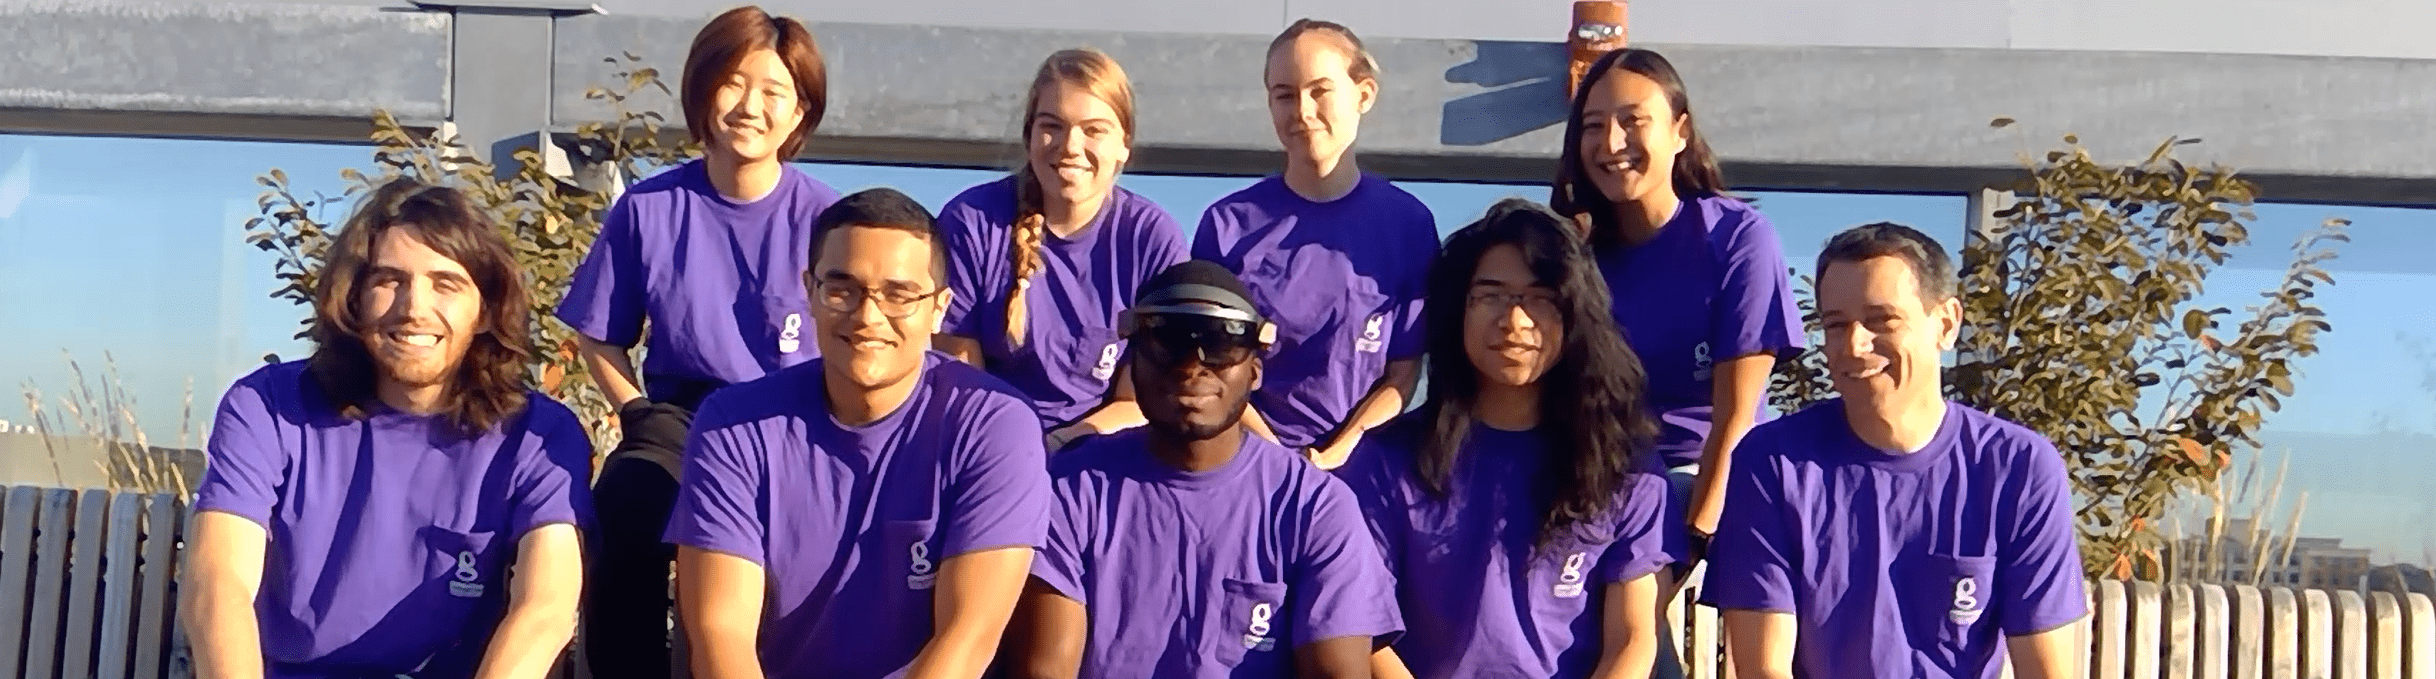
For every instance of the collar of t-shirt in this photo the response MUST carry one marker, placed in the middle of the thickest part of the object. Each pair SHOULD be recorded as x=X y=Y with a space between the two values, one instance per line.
x=1948 y=432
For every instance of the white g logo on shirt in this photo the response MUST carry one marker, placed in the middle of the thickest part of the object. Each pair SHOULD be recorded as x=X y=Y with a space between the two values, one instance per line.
x=1256 y=637
x=920 y=554
x=1261 y=612
x=1107 y=365
x=1701 y=361
x=467 y=585
x=1372 y=331
x=1569 y=581
x=790 y=336
x=920 y=576
x=1966 y=601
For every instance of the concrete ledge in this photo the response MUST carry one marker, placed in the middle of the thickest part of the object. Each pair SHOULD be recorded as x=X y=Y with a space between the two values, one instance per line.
x=276 y=61
x=1822 y=118
x=2310 y=129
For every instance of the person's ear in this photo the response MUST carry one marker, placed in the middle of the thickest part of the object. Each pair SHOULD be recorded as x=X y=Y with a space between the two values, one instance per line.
x=938 y=310
x=1949 y=323
x=1369 y=89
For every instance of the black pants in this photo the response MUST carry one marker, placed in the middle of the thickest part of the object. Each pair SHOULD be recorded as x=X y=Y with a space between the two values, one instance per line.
x=626 y=603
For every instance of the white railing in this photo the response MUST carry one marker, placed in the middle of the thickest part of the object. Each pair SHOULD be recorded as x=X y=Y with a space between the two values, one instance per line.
x=2141 y=630
x=88 y=589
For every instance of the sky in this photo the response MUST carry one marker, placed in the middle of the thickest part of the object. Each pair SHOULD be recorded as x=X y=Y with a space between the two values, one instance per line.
x=132 y=248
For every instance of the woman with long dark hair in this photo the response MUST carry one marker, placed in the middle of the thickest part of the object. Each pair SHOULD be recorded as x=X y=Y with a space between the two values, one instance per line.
x=1698 y=278
x=1511 y=501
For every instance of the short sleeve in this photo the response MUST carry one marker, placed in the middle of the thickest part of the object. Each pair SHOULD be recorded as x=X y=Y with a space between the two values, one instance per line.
x=1751 y=555
x=2038 y=576
x=999 y=493
x=1754 y=312
x=1368 y=475
x=246 y=463
x=1412 y=287
x=721 y=492
x=553 y=477
x=1340 y=585
x=973 y=275
x=605 y=299
x=1059 y=563
x=1646 y=540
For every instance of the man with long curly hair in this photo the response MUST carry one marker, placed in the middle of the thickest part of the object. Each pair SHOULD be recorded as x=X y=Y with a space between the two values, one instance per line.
x=362 y=507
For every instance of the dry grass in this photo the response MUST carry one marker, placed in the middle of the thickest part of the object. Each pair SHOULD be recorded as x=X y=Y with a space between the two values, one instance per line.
x=2228 y=531
x=104 y=415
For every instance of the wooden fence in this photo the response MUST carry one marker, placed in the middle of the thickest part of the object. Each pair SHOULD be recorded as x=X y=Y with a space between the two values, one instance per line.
x=88 y=589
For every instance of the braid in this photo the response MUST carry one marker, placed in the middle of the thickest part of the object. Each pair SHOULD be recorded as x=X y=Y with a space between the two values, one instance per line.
x=1023 y=251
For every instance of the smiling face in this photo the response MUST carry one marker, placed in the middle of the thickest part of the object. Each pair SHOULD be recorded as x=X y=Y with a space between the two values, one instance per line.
x=755 y=110
x=420 y=312
x=1315 y=102
x=1883 y=341
x=1513 y=329
x=862 y=268
x=1631 y=134
x=1077 y=144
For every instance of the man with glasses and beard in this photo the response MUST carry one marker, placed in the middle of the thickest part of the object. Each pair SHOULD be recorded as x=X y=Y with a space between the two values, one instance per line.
x=1188 y=548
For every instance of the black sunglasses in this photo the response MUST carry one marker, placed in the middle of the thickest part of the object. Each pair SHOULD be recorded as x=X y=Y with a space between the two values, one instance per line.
x=1215 y=342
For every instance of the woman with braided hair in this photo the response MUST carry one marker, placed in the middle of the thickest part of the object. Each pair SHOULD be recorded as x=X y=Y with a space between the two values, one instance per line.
x=1042 y=261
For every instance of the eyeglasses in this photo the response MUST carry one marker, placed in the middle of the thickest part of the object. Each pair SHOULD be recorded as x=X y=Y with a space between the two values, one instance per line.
x=1213 y=342
x=1535 y=302
x=845 y=297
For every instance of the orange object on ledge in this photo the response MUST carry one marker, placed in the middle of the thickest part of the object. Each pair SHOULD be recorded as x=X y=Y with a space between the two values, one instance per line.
x=1598 y=28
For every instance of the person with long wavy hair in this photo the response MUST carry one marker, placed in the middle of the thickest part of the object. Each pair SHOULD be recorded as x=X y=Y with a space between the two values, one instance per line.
x=1697 y=277
x=1042 y=261
x=1525 y=536
x=708 y=259
x=361 y=507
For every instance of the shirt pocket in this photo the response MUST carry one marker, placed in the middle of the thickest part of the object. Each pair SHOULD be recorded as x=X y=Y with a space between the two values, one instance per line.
x=1092 y=361
x=785 y=334
x=910 y=549
x=465 y=573
x=1951 y=601
x=1250 y=635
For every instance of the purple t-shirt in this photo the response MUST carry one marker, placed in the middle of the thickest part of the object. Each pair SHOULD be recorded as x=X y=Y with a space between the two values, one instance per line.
x=390 y=536
x=720 y=281
x=1344 y=282
x=1898 y=565
x=1071 y=345
x=1710 y=287
x=1220 y=573
x=851 y=523
x=1480 y=597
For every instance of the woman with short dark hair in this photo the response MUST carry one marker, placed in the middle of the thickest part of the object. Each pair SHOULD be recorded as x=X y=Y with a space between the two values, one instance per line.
x=711 y=253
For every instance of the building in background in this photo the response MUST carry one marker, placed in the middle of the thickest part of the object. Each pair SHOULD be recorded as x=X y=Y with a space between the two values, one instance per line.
x=2244 y=553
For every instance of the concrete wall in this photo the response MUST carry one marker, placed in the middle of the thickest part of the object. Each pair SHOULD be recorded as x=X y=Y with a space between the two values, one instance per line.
x=1912 y=119
x=2349 y=28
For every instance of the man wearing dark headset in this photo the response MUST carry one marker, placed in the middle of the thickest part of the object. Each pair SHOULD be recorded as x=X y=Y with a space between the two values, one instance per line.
x=1188 y=548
